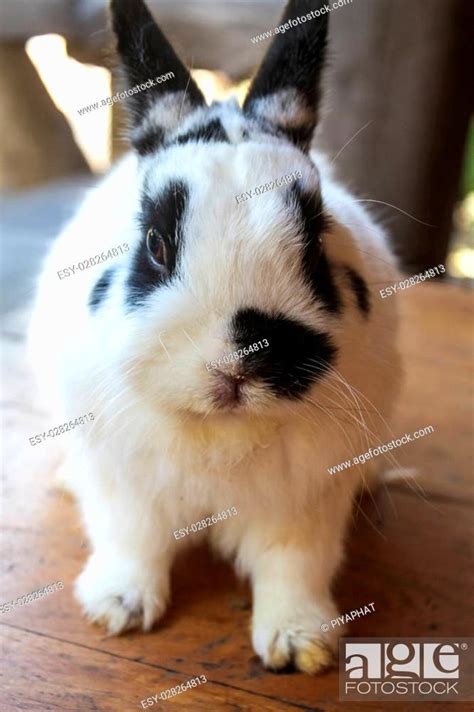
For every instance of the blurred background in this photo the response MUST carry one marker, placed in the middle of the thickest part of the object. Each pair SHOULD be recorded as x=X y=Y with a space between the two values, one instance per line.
x=397 y=120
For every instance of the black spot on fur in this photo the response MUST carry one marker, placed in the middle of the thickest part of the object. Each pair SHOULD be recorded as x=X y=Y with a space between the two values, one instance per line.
x=324 y=286
x=212 y=131
x=166 y=214
x=149 y=142
x=100 y=290
x=360 y=289
x=317 y=270
x=300 y=136
x=296 y=356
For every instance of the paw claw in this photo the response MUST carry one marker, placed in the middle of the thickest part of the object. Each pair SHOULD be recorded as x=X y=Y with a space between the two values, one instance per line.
x=278 y=659
x=313 y=658
x=286 y=641
x=117 y=601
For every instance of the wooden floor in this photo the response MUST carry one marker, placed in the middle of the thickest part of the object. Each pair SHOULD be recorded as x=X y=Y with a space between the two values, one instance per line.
x=409 y=553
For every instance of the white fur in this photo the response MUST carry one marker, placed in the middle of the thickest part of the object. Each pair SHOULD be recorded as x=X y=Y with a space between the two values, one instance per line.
x=165 y=114
x=159 y=456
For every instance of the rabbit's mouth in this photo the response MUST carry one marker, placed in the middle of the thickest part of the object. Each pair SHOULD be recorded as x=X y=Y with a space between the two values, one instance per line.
x=227 y=389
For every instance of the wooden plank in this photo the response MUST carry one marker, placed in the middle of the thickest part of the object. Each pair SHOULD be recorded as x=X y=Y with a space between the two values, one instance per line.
x=416 y=571
x=42 y=673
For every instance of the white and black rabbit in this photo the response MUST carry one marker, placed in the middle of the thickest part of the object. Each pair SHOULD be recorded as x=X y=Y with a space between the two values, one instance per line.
x=203 y=275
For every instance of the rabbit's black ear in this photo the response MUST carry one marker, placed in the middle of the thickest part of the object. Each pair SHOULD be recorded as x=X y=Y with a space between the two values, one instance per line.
x=286 y=90
x=158 y=103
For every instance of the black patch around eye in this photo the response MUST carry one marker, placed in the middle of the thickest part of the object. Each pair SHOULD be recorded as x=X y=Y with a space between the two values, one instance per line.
x=360 y=289
x=316 y=267
x=212 y=131
x=100 y=290
x=296 y=358
x=166 y=214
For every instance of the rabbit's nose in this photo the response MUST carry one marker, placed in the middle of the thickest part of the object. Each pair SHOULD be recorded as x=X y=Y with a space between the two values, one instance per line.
x=227 y=389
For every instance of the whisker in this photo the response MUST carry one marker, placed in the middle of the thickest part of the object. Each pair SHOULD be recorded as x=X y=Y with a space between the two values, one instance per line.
x=350 y=141
x=395 y=207
x=414 y=486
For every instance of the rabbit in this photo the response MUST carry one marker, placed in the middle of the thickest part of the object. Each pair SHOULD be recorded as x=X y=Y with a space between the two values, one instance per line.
x=202 y=275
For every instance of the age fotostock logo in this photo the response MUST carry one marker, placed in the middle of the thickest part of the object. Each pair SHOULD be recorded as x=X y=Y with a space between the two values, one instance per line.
x=406 y=669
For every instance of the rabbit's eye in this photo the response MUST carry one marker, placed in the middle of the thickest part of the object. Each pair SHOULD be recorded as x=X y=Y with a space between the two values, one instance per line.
x=156 y=247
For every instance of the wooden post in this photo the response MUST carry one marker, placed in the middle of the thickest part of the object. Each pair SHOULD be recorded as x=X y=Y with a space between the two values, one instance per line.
x=405 y=67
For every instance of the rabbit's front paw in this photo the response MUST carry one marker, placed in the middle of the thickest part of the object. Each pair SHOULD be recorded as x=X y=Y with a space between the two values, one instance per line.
x=288 y=640
x=120 y=596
